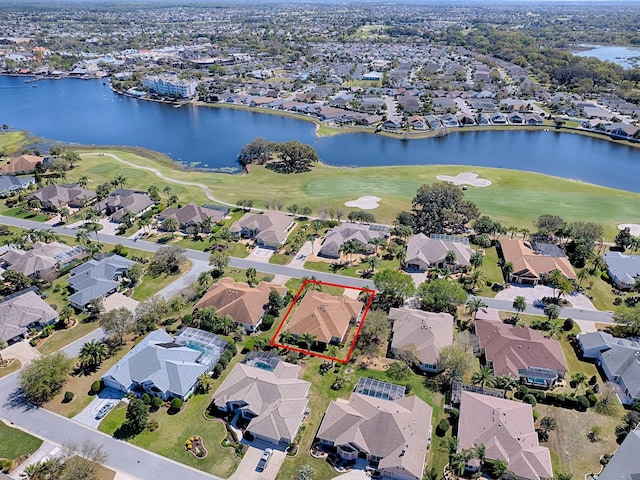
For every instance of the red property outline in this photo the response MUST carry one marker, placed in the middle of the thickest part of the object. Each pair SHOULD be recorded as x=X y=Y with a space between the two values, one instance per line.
x=273 y=342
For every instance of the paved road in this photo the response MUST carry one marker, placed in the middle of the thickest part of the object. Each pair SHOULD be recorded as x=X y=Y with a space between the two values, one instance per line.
x=198 y=256
x=575 y=313
x=56 y=429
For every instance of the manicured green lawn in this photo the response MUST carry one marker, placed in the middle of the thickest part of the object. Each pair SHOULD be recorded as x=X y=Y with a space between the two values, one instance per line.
x=14 y=367
x=149 y=285
x=80 y=385
x=15 y=442
x=356 y=268
x=168 y=440
x=280 y=259
x=62 y=338
x=294 y=285
x=19 y=212
x=395 y=185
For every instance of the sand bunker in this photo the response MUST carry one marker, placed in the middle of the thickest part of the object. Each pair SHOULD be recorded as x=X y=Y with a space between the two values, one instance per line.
x=366 y=202
x=634 y=228
x=465 y=178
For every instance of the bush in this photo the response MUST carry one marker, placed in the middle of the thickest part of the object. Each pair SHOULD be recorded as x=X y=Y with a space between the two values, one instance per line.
x=146 y=399
x=176 y=404
x=96 y=386
x=443 y=427
x=233 y=349
x=267 y=322
x=530 y=399
x=68 y=396
x=568 y=324
x=121 y=250
x=224 y=361
x=593 y=380
x=187 y=320
x=522 y=391
x=536 y=415
x=217 y=370
x=592 y=399
x=156 y=402
x=583 y=402
x=605 y=276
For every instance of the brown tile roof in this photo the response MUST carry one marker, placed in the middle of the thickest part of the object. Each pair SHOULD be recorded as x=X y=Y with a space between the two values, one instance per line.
x=397 y=431
x=23 y=163
x=243 y=303
x=506 y=430
x=324 y=315
x=526 y=260
x=513 y=348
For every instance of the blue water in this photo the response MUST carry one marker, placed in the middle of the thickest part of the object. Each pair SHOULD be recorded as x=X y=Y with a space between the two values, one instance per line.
x=621 y=55
x=88 y=112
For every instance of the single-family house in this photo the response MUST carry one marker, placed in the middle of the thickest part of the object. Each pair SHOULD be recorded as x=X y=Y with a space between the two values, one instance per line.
x=506 y=429
x=498 y=118
x=521 y=352
x=325 y=316
x=269 y=229
x=417 y=122
x=245 y=304
x=619 y=359
x=625 y=464
x=393 y=123
x=427 y=252
x=21 y=165
x=623 y=270
x=193 y=215
x=367 y=235
x=23 y=311
x=97 y=279
x=55 y=197
x=42 y=259
x=372 y=76
x=122 y=200
x=422 y=334
x=166 y=367
x=274 y=400
x=533 y=119
x=532 y=262
x=393 y=435
x=516 y=118
x=9 y=184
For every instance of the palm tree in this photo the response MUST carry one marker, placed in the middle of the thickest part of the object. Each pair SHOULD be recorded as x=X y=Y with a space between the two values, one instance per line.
x=83 y=181
x=484 y=377
x=507 y=270
x=475 y=279
x=120 y=181
x=519 y=305
x=582 y=275
x=286 y=337
x=167 y=190
x=82 y=237
x=506 y=382
x=333 y=351
x=94 y=227
x=450 y=257
x=65 y=313
x=144 y=223
x=93 y=353
x=206 y=225
x=374 y=262
x=308 y=339
x=552 y=311
x=170 y=224
x=474 y=304
x=578 y=379
x=177 y=304
x=476 y=259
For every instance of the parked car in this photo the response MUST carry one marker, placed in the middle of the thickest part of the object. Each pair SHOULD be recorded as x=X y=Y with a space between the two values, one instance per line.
x=104 y=410
x=264 y=459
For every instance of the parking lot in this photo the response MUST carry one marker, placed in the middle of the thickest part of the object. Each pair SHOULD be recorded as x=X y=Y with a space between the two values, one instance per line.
x=108 y=396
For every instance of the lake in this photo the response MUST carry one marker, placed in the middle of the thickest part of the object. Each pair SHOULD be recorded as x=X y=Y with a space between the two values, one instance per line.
x=88 y=112
x=625 y=56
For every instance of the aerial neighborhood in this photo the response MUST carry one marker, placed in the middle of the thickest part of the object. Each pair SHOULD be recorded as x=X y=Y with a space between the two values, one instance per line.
x=184 y=323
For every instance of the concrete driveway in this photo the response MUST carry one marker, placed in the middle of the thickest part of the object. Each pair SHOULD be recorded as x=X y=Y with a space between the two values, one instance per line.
x=531 y=293
x=22 y=351
x=118 y=300
x=88 y=415
x=248 y=468
x=261 y=255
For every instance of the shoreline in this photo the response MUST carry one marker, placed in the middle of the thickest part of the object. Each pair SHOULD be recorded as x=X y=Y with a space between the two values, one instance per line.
x=324 y=130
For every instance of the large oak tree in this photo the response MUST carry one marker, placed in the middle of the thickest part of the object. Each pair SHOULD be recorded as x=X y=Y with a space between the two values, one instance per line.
x=441 y=208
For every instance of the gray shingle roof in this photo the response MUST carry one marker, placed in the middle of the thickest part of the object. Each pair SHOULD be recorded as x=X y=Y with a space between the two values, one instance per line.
x=170 y=367
x=625 y=464
x=19 y=312
x=623 y=269
x=426 y=332
x=95 y=278
x=422 y=250
x=344 y=232
x=624 y=362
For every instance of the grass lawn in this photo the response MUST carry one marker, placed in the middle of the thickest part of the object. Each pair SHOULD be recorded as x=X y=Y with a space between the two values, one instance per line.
x=355 y=268
x=168 y=440
x=396 y=185
x=80 y=385
x=294 y=285
x=62 y=338
x=280 y=259
x=19 y=212
x=15 y=442
x=14 y=367
x=149 y=285
x=240 y=275
x=571 y=450
x=490 y=271
x=11 y=142
x=601 y=293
